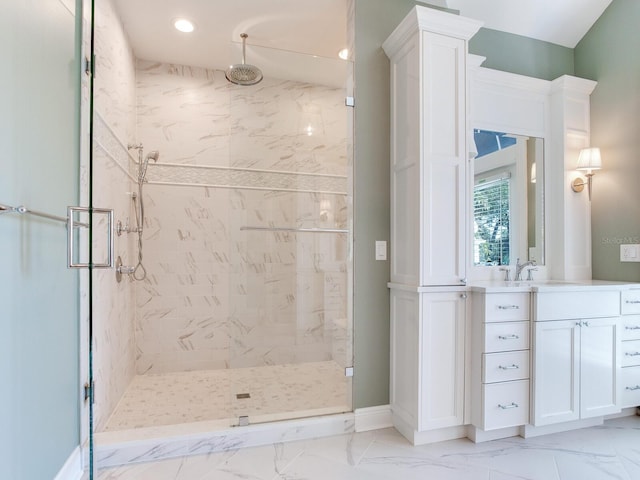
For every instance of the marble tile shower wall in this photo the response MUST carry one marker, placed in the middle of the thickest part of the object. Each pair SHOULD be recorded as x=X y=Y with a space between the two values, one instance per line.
x=218 y=296
x=114 y=124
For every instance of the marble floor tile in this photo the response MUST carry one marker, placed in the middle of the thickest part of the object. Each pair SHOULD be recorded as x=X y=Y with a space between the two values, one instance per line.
x=607 y=452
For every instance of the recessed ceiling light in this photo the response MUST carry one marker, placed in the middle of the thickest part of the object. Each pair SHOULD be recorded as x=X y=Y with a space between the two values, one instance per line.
x=184 y=25
x=344 y=53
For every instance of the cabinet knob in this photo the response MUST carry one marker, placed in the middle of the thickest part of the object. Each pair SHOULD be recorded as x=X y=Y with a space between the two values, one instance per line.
x=463 y=295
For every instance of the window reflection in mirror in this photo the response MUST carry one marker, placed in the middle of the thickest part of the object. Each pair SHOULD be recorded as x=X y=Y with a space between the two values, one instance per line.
x=508 y=199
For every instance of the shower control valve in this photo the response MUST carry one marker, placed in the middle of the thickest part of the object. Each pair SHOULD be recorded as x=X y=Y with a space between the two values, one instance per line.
x=126 y=228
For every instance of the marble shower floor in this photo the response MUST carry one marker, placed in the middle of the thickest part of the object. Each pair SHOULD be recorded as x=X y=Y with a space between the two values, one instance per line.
x=275 y=393
x=611 y=451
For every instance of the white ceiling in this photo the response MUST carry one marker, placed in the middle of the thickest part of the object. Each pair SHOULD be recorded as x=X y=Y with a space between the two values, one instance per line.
x=563 y=22
x=316 y=27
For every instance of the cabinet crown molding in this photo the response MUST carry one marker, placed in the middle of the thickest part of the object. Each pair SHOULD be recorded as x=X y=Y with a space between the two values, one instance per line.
x=432 y=20
x=569 y=83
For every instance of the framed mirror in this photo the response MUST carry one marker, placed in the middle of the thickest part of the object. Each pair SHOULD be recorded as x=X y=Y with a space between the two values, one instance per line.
x=508 y=199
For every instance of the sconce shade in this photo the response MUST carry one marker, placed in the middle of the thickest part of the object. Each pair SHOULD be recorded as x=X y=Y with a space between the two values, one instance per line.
x=589 y=159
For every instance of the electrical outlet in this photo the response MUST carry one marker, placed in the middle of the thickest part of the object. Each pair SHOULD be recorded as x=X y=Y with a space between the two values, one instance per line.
x=630 y=253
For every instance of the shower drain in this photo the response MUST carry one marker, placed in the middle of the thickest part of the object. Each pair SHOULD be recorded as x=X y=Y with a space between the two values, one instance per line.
x=241 y=396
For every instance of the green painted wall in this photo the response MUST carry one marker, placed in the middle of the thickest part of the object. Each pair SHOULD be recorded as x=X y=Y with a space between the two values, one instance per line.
x=609 y=55
x=374 y=22
x=39 y=400
x=522 y=55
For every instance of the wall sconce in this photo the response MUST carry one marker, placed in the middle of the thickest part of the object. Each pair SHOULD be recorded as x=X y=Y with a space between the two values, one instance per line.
x=588 y=161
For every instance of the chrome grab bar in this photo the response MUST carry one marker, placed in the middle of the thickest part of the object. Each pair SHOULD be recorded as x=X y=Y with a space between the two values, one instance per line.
x=290 y=229
x=21 y=209
x=72 y=224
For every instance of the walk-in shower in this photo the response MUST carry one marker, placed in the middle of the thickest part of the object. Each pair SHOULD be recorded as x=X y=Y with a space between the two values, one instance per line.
x=242 y=312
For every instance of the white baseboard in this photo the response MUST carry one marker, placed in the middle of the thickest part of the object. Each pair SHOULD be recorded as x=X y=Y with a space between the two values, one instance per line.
x=72 y=468
x=373 y=418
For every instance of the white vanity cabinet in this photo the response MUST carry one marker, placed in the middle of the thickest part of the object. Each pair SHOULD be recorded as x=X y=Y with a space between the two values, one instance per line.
x=427 y=361
x=576 y=344
x=500 y=360
x=630 y=349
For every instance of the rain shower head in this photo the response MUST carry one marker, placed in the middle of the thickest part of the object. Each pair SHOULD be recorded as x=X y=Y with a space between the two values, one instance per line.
x=243 y=73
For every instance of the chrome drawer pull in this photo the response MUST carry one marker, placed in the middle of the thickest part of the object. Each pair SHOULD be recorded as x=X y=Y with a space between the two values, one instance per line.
x=509 y=367
x=632 y=328
x=508 y=307
x=506 y=407
x=508 y=337
x=632 y=354
x=632 y=302
x=637 y=387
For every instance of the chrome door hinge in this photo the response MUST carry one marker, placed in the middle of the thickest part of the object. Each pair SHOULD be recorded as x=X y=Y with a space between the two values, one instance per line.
x=350 y=102
x=89 y=66
x=89 y=392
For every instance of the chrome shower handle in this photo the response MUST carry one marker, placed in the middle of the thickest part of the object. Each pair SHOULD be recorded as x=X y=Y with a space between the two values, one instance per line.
x=72 y=224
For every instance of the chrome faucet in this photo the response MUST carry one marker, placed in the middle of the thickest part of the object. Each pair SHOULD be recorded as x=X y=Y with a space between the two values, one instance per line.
x=520 y=267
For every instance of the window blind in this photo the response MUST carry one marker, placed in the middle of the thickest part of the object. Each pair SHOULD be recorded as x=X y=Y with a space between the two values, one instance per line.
x=491 y=220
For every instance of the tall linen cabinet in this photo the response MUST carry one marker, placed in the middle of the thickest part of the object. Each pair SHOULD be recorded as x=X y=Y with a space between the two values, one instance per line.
x=429 y=163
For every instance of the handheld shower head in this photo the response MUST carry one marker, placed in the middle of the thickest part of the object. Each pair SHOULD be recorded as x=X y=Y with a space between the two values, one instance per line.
x=153 y=155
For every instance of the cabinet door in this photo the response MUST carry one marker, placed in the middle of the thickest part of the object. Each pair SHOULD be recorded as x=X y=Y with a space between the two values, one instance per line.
x=443 y=175
x=442 y=340
x=556 y=372
x=599 y=346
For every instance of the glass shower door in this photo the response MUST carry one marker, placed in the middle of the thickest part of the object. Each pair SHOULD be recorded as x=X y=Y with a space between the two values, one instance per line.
x=41 y=318
x=289 y=220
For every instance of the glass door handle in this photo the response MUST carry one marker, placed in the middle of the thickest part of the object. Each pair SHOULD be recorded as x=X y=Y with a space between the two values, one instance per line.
x=71 y=238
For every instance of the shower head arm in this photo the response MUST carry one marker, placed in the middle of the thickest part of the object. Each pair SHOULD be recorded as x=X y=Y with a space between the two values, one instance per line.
x=244 y=47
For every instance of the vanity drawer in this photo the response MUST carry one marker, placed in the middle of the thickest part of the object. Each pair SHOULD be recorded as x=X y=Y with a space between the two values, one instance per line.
x=630 y=301
x=630 y=385
x=505 y=404
x=506 y=307
x=630 y=353
x=631 y=327
x=507 y=336
x=504 y=367
x=558 y=305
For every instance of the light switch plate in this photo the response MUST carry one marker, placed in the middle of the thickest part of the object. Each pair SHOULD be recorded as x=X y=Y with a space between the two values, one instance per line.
x=381 y=250
x=630 y=253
